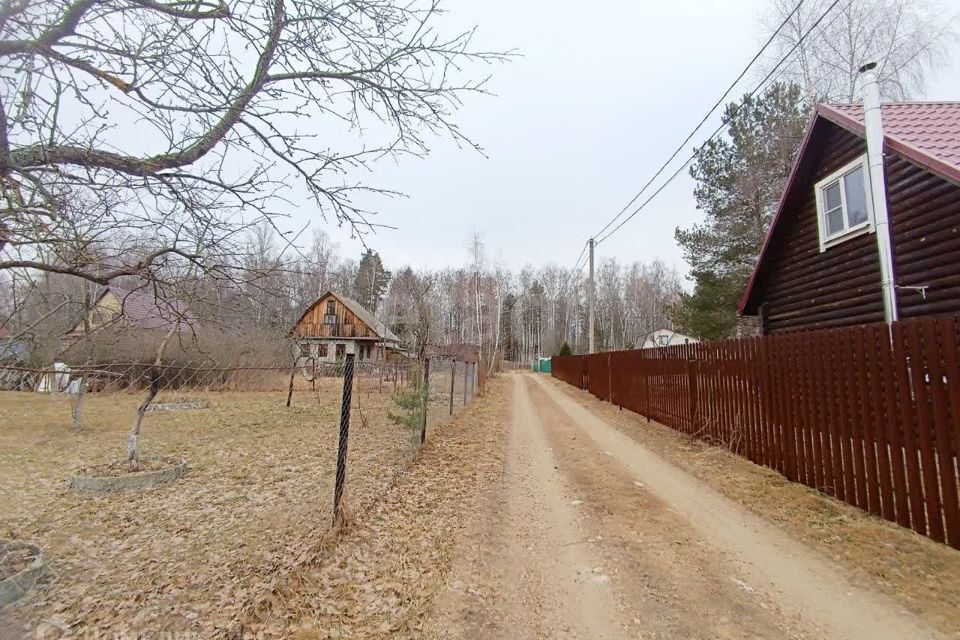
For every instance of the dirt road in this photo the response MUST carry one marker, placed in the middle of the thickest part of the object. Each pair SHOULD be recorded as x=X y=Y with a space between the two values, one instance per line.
x=595 y=536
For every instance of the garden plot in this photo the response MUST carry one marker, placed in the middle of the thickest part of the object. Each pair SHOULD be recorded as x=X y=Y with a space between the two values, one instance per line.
x=187 y=556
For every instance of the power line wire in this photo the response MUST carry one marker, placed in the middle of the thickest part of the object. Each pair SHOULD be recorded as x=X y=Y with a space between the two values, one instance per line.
x=723 y=125
x=703 y=120
x=577 y=267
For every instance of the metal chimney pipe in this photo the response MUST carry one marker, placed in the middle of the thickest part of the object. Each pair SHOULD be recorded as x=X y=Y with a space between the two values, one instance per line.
x=873 y=123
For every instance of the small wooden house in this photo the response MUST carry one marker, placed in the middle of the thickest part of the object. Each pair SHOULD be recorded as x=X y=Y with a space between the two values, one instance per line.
x=137 y=309
x=819 y=265
x=335 y=321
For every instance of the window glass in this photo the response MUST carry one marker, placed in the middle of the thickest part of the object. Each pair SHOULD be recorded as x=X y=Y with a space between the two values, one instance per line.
x=834 y=222
x=856 y=197
x=831 y=195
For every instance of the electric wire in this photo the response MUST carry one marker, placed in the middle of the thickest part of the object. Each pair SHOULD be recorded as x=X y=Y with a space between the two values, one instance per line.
x=722 y=126
x=703 y=120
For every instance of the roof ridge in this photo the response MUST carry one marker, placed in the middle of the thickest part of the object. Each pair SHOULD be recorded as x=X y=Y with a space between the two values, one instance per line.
x=893 y=103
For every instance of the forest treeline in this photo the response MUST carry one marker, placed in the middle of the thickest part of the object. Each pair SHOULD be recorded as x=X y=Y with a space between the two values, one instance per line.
x=246 y=316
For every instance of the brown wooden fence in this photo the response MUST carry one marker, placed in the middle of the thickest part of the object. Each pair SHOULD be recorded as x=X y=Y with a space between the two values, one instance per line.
x=868 y=414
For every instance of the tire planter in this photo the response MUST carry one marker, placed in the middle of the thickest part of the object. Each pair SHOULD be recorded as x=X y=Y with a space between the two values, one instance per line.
x=15 y=586
x=88 y=481
x=177 y=406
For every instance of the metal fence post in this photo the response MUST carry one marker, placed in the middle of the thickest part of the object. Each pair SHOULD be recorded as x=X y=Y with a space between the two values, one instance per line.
x=466 y=371
x=426 y=399
x=344 y=434
x=453 y=378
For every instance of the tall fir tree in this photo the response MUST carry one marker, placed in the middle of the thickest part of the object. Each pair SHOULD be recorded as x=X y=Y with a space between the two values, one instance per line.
x=739 y=181
x=371 y=281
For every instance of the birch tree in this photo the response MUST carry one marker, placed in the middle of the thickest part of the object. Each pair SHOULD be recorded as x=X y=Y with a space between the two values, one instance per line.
x=908 y=39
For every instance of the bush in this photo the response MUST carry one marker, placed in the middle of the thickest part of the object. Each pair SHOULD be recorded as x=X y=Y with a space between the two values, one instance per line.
x=408 y=402
x=565 y=350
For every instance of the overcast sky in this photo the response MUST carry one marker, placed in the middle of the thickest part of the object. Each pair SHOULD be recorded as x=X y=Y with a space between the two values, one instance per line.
x=602 y=94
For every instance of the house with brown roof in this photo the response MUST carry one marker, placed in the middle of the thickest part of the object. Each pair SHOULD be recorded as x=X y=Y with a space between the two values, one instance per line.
x=137 y=309
x=819 y=266
x=335 y=322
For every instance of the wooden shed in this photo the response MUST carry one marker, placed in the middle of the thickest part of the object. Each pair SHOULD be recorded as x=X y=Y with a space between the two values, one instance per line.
x=332 y=322
x=819 y=266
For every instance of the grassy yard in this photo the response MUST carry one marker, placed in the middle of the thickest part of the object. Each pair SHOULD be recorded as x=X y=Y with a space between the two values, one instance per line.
x=186 y=557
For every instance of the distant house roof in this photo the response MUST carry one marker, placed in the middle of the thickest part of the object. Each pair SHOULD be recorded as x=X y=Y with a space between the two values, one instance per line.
x=463 y=351
x=367 y=317
x=665 y=337
x=11 y=349
x=361 y=312
x=926 y=133
x=143 y=308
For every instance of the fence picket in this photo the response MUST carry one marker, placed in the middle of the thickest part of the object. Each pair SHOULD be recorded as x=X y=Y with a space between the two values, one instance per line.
x=947 y=480
x=873 y=344
x=928 y=463
x=948 y=335
x=865 y=438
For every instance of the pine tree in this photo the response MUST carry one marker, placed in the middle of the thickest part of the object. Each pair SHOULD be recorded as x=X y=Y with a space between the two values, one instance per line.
x=739 y=181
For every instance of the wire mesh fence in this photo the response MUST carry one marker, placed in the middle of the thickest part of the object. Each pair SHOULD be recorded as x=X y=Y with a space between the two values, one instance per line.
x=260 y=443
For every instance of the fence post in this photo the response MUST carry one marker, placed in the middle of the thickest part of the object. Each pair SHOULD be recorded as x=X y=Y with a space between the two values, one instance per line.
x=466 y=371
x=344 y=434
x=453 y=378
x=693 y=368
x=426 y=399
x=380 y=368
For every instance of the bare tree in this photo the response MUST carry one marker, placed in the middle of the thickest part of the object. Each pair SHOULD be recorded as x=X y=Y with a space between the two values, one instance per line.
x=131 y=129
x=907 y=38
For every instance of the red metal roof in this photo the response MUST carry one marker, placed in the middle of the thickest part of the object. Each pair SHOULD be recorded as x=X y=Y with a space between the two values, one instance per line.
x=927 y=133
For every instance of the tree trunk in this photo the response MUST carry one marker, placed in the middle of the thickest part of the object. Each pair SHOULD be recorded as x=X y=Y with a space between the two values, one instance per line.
x=81 y=391
x=133 y=450
x=133 y=445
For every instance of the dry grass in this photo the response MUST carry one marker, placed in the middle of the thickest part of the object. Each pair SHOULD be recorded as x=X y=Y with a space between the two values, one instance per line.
x=381 y=577
x=921 y=575
x=189 y=556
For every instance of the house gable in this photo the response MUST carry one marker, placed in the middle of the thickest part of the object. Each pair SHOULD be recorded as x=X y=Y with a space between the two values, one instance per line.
x=106 y=309
x=348 y=320
x=799 y=286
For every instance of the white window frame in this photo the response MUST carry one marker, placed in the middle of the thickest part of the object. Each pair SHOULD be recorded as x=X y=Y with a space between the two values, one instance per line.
x=827 y=241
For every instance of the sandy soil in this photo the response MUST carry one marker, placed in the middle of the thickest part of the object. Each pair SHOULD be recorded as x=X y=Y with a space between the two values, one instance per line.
x=918 y=574
x=599 y=537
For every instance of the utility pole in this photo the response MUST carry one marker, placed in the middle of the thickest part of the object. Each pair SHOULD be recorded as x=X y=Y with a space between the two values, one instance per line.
x=591 y=297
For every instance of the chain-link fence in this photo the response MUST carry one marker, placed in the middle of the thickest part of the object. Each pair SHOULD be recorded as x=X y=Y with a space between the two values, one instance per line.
x=260 y=448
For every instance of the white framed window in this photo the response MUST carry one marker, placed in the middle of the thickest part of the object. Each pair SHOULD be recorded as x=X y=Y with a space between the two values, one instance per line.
x=844 y=204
